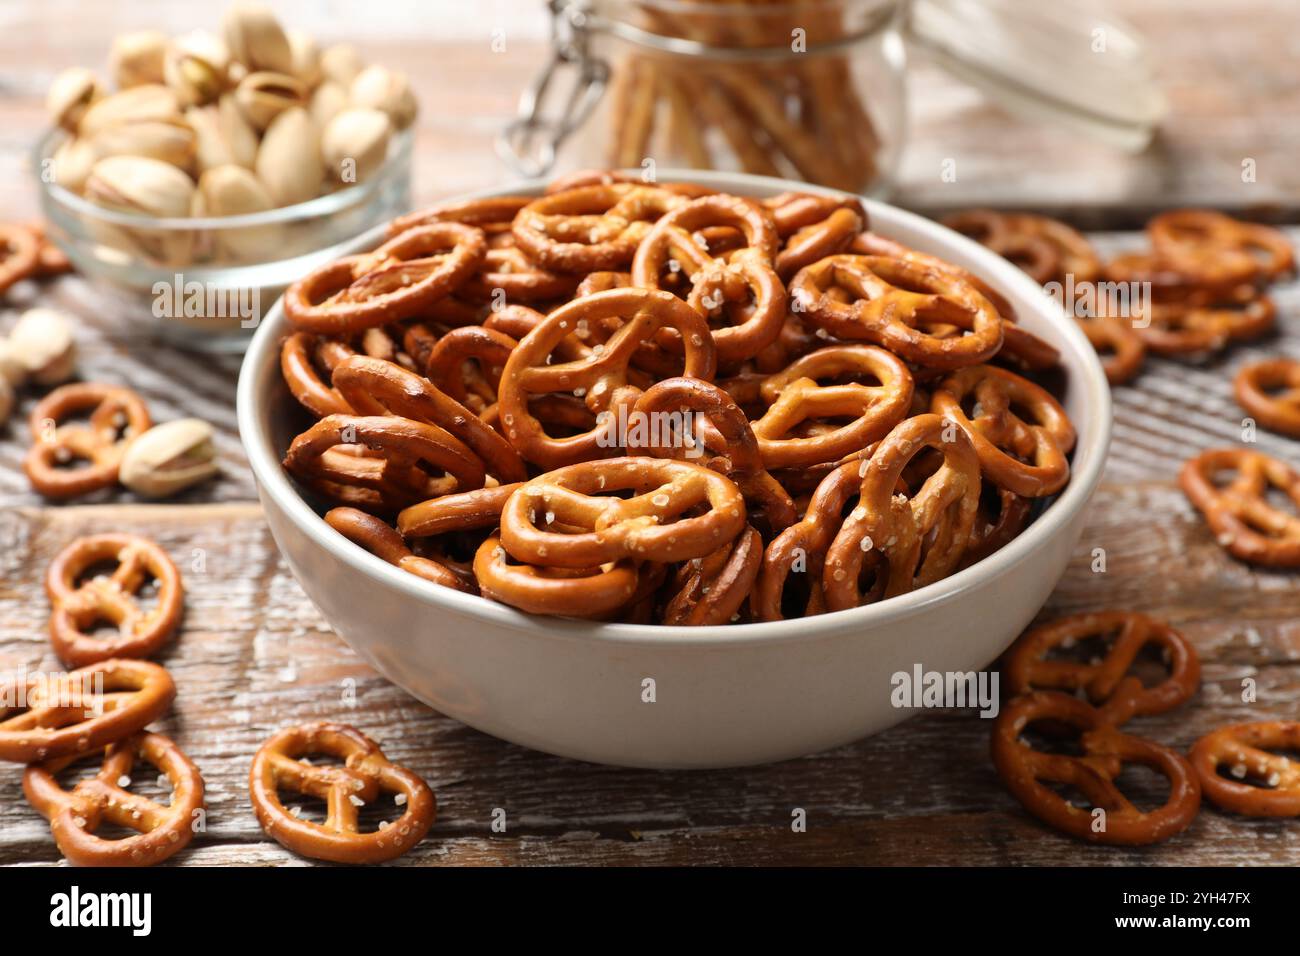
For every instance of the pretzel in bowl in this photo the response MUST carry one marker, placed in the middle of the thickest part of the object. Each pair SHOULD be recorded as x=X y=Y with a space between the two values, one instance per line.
x=366 y=774
x=75 y=814
x=1269 y=391
x=78 y=604
x=590 y=592
x=117 y=415
x=1259 y=783
x=381 y=540
x=1244 y=523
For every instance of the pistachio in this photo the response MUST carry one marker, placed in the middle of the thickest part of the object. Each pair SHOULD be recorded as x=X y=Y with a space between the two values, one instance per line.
x=7 y=399
x=264 y=96
x=383 y=89
x=72 y=163
x=136 y=105
x=42 y=342
x=137 y=58
x=140 y=185
x=328 y=101
x=171 y=141
x=340 y=64
x=288 y=161
x=305 y=56
x=169 y=458
x=238 y=132
x=235 y=191
x=70 y=96
x=12 y=369
x=196 y=68
x=355 y=144
x=256 y=39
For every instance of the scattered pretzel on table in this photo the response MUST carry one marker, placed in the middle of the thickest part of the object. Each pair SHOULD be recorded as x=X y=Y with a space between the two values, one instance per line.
x=1238 y=511
x=1259 y=783
x=1270 y=392
x=117 y=414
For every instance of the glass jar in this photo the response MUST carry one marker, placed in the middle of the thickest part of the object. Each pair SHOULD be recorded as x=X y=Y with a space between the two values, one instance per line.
x=799 y=89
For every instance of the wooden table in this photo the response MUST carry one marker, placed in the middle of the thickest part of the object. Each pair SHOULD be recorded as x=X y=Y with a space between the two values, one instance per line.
x=254 y=655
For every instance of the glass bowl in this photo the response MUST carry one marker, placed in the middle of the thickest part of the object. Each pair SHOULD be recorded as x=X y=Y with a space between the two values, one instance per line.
x=205 y=282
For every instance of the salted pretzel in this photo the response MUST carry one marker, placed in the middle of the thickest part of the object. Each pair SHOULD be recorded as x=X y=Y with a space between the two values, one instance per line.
x=375 y=387
x=77 y=605
x=1026 y=457
x=299 y=371
x=487 y=347
x=19 y=254
x=592 y=592
x=919 y=534
x=1048 y=250
x=365 y=776
x=508 y=272
x=1217 y=249
x=658 y=523
x=397 y=281
x=868 y=243
x=1244 y=523
x=1121 y=349
x=468 y=510
x=389 y=475
x=117 y=415
x=995 y=527
x=817 y=240
x=379 y=538
x=1262 y=784
x=590 y=228
x=720 y=286
x=1270 y=392
x=794 y=398
x=1189 y=329
x=1105 y=751
x=601 y=376
x=493 y=215
x=712 y=589
x=65 y=713
x=1108 y=681
x=737 y=453
x=76 y=814
x=892 y=303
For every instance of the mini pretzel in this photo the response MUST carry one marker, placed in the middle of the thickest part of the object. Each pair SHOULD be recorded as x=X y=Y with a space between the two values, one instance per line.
x=488 y=347
x=304 y=382
x=1108 y=682
x=1239 y=514
x=794 y=398
x=75 y=814
x=19 y=254
x=64 y=713
x=365 y=775
x=870 y=244
x=994 y=529
x=1026 y=773
x=893 y=301
x=590 y=228
x=897 y=527
x=1257 y=386
x=593 y=592
x=50 y=259
x=390 y=479
x=712 y=589
x=381 y=540
x=1026 y=457
x=492 y=215
x=1183 y=328
x=116 y=415
x=398 y=280
x=1046 y=249
x=600 y=376
x=817 y=240
x=508 y=271
x=77 y=606
x=1266 y=784
x=659 y=523
x=1217 y=249
x=375 y=387
x=480 y=508
x=1121 y=349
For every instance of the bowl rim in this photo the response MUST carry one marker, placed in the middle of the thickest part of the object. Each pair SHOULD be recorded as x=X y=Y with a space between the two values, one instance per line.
x=399 y=158
x=1091 y=452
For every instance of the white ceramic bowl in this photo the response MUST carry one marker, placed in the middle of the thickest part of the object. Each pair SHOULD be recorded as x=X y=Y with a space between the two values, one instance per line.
x=722 y=696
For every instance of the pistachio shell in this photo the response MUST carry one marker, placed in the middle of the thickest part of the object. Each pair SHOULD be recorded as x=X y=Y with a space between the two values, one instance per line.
x=140 y=185
x=288 y=161
x=328 y=101
x=340 y=64
x=238 y=132
x=140 y=103
x=264 y=96
x=355 y=144
x=256 y=39
x=196 y=68
x=72 y=163
x=172 y=141
x=169 y=458
x=70 y=95
x=137 y=58
x=42 y=341
x=235 y=191
x=305 y=55
x=383 y=89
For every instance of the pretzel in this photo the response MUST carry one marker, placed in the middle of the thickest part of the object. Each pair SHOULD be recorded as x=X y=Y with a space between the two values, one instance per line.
x=117 y=415
x=712 y=589
x=486 y=346
x=592 y=592
x=19 y=254
x=364 y=777
x=1105 y=750
x=493 y=215
x=1025 y=457
x=1217 y=249
x=590 y=228
x=738 y=454
x=304 y=381
x=1046 y=249
x=468 y=510
x=389 y=479
x=656 y=524
x=1266 y=785
x=896 y=527
x=717 y=281
x=1254 y=388
x=398 y=280
x=64 y=713
x=995 y=528
x=871 y=244
x=1182 y=328
x=601 y=376
x=1239 y=514
x=375 y=387
x=1107 y=681
x=50 y=259
x=77 y=606
x=817 y=240
x=507 y=271
x=381 y=540
x=794 y=398
x=1121 y=349
x=76 y=814
x=886 y=308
